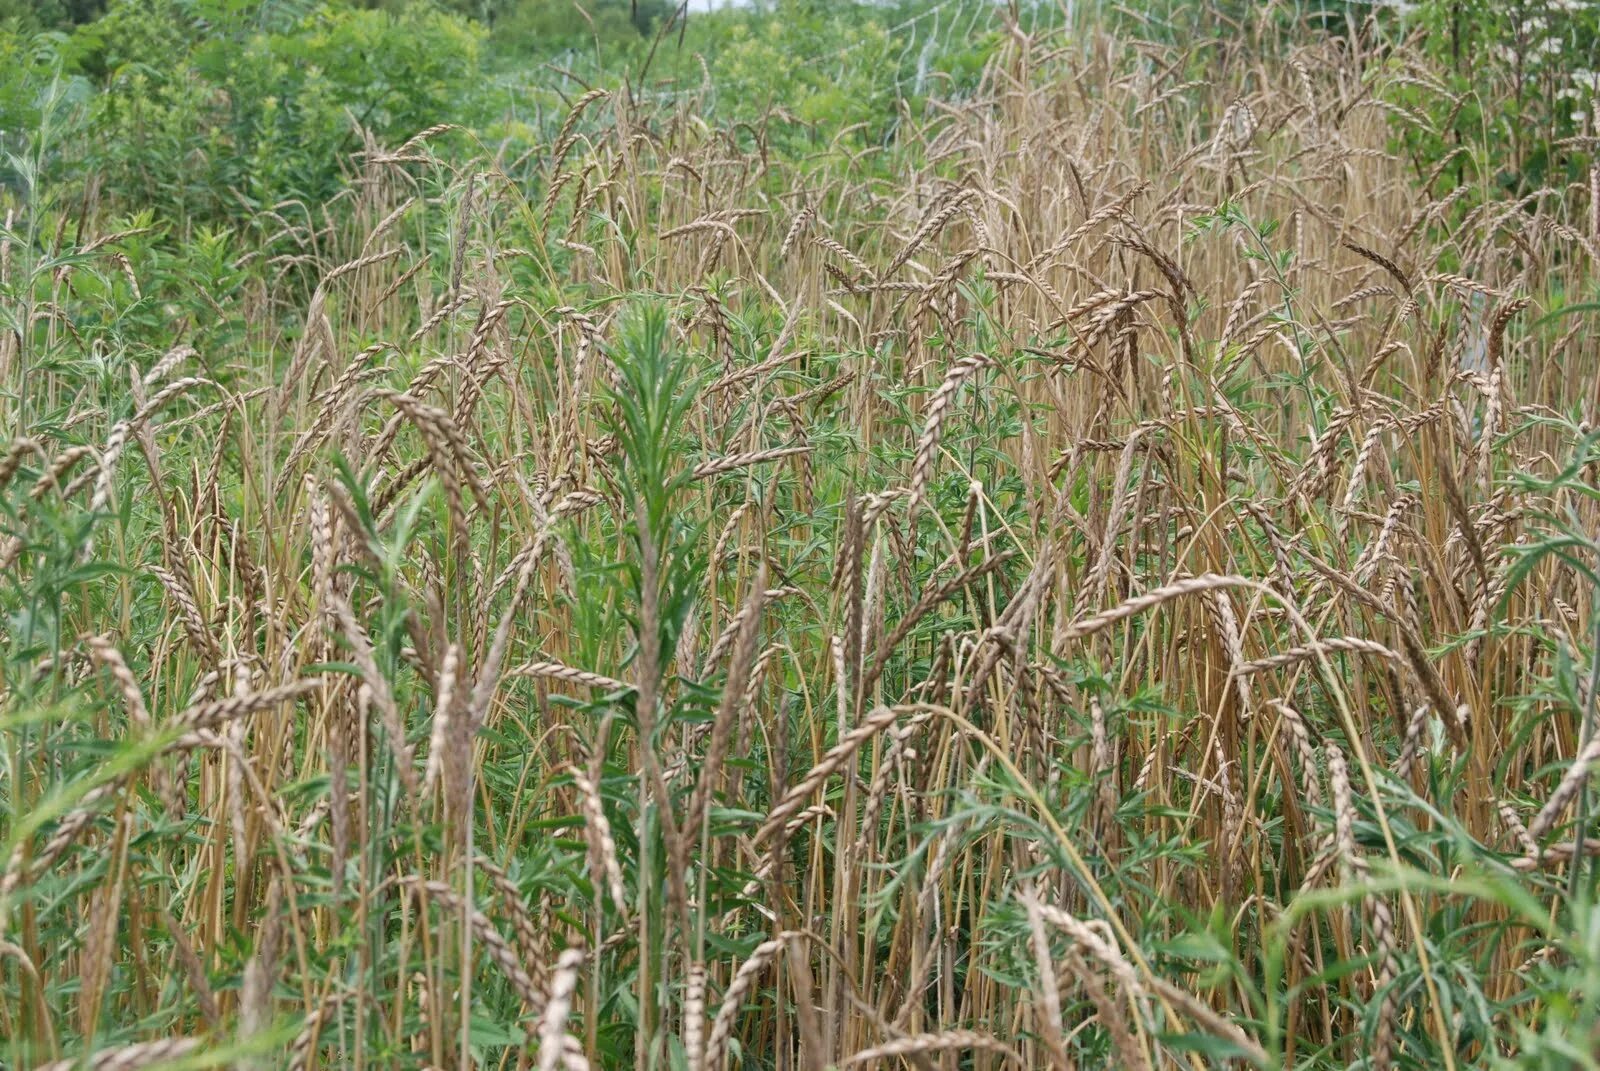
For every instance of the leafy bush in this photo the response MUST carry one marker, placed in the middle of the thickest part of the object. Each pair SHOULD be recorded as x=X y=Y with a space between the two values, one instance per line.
x=1536 y=61
x=531 y=26
x=48 y=14
x=256 y=110
x=31 y=78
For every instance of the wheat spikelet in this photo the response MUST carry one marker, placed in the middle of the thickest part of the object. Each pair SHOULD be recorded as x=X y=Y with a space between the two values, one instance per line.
x=300 y=1048
x=602 y=844
x=830 y=763
x=923 y=606
x=859 y=266
x=1086 y=626
x=1524 y=839
x=129 y=1057
x=16 y=452
x=366 y=260
x=106 y=654
x=100 y=947
x=178 y=586
x=375 y=691
x=1048 y=1013
x=744 y=980
x=553 y=1023
x=802 y=220
x=1110 y=1013
x=1215 y=1023
x=199 y=985
x=719 y=465
x=694 y=1016
x=1383 y=262
x=720 y=227
x=530 y=989
x=66 y=833
x=448 y=447
x=412 y=143
x=444 y=710
x=942 y=1041
x=1411 y=746
x=439 y=316
x=938 y=409
x=217 y=712
x=567 y=135
x=255 y=996
x=557 y=671
x=1568 y=787
x=488 y=682
x=1344 y=811
x=384 y=225
x=1112 y=210
x=748 y=625
x=1350 y=644
x=934 y=223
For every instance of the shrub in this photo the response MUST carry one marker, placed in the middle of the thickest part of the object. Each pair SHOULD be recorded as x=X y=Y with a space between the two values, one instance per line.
x=258 y=107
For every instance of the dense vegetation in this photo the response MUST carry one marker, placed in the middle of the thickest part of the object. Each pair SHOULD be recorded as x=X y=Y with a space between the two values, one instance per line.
x=944 y=535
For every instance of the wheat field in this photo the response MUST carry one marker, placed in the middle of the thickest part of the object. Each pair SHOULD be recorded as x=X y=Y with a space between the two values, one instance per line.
x=1103 y=579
